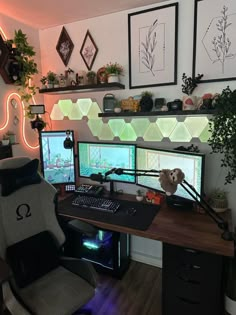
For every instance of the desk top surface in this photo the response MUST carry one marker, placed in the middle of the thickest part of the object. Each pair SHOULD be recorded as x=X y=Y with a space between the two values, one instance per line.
x=178 y=227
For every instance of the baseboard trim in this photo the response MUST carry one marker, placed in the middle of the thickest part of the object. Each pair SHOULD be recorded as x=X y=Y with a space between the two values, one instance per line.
x=147 y=259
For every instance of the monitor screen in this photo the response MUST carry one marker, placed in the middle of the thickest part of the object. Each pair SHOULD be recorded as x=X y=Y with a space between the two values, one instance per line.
x=57 y=156
x=97 y=157
x=192 y=164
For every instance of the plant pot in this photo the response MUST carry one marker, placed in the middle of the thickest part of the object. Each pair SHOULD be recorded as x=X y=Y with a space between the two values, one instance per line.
x=139 y=198
x=189 y=102
x=219 y=205
x=112 y=78
x=146 y=104
x=5 y=141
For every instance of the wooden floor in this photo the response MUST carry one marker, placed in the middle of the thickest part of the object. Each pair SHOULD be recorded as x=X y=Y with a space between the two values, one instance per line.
x=137 y=293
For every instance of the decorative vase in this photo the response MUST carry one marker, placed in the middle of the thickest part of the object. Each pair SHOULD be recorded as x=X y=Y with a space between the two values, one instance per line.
x=113 y=78
x=146 y=103
x=139 y=198
x=189 y=102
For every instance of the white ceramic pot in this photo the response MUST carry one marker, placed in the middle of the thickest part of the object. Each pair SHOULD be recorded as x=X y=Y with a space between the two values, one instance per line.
x=139 y=198
x=5 y=141
x=113 y=78
x=189 y=102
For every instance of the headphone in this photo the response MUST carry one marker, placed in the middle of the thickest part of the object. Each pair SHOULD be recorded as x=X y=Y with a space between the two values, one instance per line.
x=68 y=143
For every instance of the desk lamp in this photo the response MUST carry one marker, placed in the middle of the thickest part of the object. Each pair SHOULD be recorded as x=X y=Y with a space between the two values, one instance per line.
x=169 y=180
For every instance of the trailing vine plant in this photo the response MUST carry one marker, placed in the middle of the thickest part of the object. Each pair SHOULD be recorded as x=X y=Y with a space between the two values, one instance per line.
x=223 y=132
x=148 y=56
x=24 y=54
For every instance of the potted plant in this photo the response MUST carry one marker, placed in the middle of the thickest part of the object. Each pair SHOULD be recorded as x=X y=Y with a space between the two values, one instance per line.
x=218 y=200
x=5 y=139
x=51 y=78
x=188 y=86
x=23 y=55
x=146 y=101
x=139 y=196
x=113 y=70
x=91 y=75
x=222 y=127
x=11 y=136
x=43 y=80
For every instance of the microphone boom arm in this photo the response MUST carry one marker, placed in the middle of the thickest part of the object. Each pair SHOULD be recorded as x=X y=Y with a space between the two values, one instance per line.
x=222 y=224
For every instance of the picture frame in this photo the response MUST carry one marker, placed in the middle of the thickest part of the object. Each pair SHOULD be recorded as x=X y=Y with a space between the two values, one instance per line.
x=64 y=46
x=88 y=50
x=214 y=45
x=152 y=36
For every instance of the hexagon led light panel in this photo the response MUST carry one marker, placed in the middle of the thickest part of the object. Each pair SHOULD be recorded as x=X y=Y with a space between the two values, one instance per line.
x=56 y=113
x=128 y=133
x=140 y=125
x=153 y=133
x=196 y=125
x=105 y=133
x=75 y=113
x=95 y=126
x=180 y=133
x=117 y=126
x=65 y=106
x=84 y=105
x=166 y=125
x=94 y=110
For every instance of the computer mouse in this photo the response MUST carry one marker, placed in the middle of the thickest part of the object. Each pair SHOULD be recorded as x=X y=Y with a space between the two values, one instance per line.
x=131 y=211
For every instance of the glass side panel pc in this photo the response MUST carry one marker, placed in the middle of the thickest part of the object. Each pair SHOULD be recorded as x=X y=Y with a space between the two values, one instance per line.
x=192 y=164
x=57 y=156
x=98 y=157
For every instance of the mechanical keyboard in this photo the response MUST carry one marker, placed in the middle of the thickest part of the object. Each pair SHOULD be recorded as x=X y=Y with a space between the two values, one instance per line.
x=100 y=204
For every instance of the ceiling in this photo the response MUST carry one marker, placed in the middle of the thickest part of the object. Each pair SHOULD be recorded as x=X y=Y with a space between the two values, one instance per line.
x=48 y=13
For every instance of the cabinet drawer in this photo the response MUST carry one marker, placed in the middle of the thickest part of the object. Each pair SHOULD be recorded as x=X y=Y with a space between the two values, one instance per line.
x=177 y=305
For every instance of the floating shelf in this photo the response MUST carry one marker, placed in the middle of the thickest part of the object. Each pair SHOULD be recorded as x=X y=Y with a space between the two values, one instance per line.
x=159 y=113
x=84 y=88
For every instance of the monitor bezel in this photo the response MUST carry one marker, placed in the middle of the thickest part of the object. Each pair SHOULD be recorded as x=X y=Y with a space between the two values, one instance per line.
x=202 y=155
x=109 y=143
x=73 y=153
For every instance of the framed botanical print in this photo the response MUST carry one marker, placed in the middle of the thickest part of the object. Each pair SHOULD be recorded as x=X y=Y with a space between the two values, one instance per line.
x=153 y=46
x=214 y=49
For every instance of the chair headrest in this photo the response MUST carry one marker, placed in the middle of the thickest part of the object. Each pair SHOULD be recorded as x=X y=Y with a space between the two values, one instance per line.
x=14 y=162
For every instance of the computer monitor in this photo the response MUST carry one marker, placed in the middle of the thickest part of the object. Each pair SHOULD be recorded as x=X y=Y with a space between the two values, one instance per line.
x=191 y=163
x=98 y=157
x=57 y=156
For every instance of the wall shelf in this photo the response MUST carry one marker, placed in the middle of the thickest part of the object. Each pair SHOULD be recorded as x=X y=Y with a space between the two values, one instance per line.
x=158 y=113
x=84 y=88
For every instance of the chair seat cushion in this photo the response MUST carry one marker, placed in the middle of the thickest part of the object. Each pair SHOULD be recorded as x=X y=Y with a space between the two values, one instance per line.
x=12 y=179
x=33 y=257
x=60 y=292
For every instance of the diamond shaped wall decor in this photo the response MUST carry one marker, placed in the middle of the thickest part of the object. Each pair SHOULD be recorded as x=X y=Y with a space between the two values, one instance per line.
x=88 y=50
x=64 y=46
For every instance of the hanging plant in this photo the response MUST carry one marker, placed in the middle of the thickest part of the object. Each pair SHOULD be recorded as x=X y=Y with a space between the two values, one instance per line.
x=23 y=54
x=223 y=131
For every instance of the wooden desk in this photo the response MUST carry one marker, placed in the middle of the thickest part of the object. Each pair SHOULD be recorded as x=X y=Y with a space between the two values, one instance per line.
x=192 y=248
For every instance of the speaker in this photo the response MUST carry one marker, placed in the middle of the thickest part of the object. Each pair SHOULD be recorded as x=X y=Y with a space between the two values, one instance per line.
x=68 y=143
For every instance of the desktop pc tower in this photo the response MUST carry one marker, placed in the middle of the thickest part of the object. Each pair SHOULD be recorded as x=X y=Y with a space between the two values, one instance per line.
x=108 y=251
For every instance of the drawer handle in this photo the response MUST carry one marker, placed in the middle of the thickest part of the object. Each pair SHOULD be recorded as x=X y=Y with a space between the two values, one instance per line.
x=193 y=251
x=188 y=301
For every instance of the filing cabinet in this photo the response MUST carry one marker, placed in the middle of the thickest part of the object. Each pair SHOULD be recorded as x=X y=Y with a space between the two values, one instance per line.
x=192 y=283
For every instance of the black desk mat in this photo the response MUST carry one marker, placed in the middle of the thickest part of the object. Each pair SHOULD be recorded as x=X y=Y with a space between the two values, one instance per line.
x=124 y=216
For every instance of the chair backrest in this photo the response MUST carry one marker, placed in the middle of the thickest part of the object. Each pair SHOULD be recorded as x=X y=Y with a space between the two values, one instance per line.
x=27 y=203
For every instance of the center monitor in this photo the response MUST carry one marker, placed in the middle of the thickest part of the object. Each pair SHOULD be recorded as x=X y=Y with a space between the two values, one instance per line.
x=98 y=157
x=191 y=163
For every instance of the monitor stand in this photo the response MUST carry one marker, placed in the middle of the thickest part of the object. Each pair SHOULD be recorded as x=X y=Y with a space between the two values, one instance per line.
x=179 y=203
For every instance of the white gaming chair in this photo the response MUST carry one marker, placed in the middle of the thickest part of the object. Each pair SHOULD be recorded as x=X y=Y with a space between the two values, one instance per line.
x=31 y=242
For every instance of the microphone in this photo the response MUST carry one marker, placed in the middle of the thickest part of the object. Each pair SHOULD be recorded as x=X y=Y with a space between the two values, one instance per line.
x=97 y=177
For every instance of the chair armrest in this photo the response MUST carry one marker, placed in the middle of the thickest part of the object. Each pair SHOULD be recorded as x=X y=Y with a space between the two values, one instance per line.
x=82 y=268
x=5 y=272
